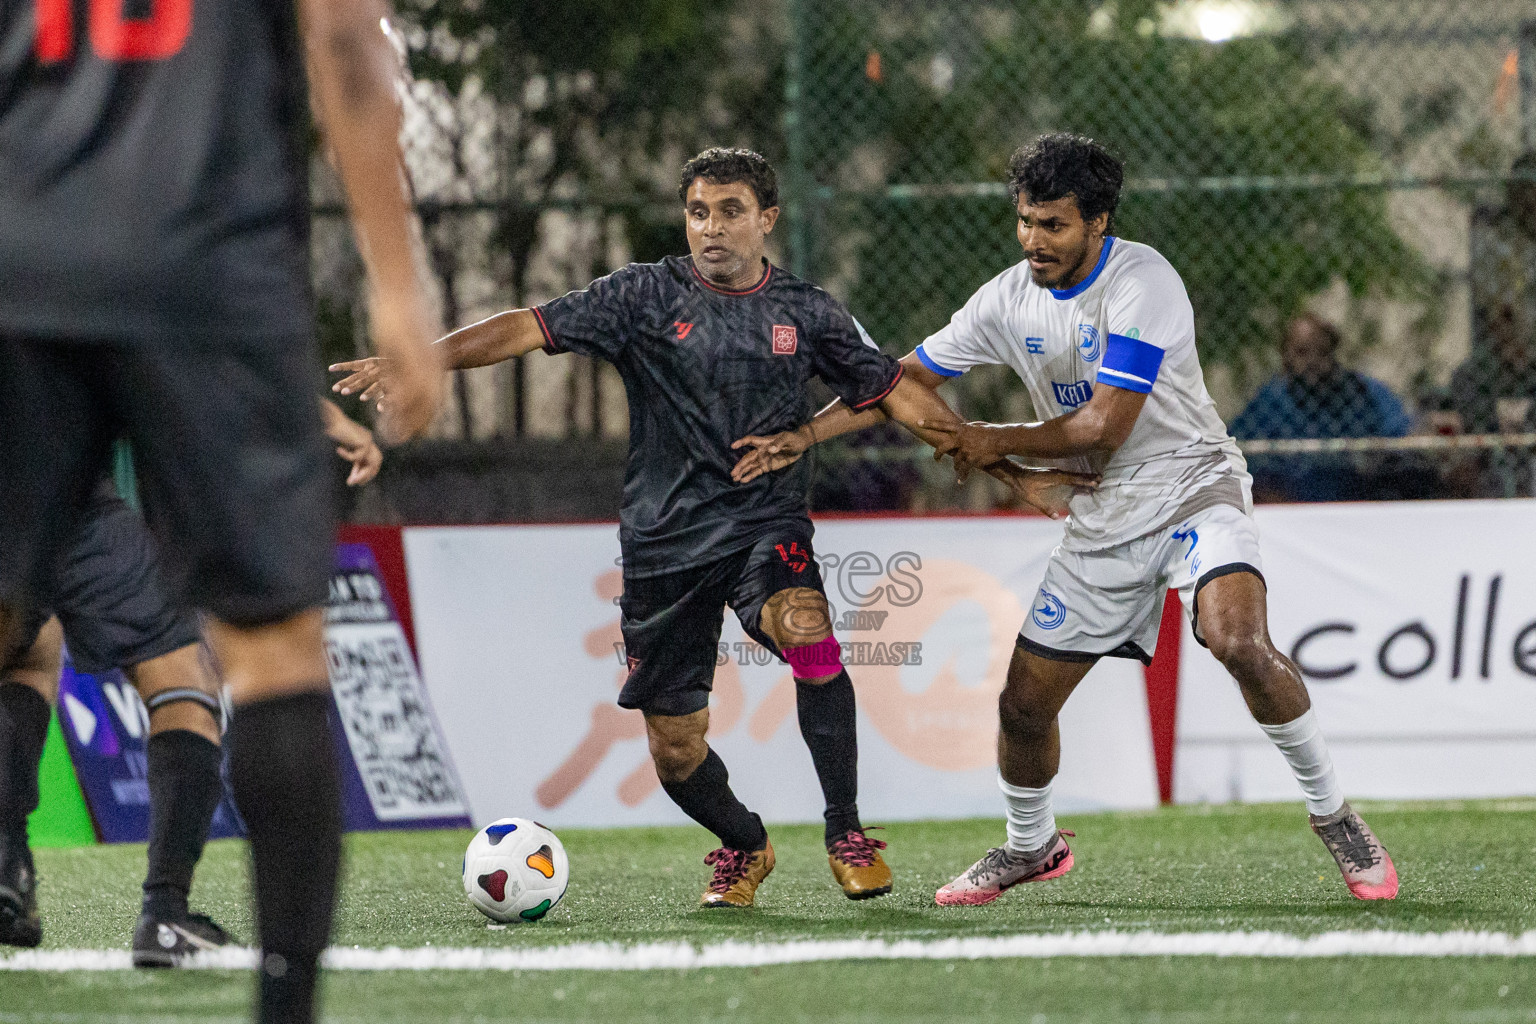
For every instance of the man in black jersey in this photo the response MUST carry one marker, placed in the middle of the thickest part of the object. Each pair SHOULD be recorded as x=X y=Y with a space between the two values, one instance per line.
x=107 y=599
x=154 y=285
x=712 y=348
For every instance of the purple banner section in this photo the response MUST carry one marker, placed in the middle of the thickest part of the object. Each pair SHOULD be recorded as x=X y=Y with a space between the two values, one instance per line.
x=396 y=772
x=106 y=729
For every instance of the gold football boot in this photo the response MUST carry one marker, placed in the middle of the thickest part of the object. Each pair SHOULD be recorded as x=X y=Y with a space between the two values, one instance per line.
x=737 y=876
x=858 y=866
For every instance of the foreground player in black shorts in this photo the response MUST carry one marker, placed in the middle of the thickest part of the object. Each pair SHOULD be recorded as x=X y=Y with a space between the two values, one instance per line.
x=108 y=600
x=154 y=284
x=713 y=348
x=116 y=613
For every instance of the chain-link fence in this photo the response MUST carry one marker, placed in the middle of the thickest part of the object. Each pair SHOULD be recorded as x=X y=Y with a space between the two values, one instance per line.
x=1340 y=184
x=1347 y=161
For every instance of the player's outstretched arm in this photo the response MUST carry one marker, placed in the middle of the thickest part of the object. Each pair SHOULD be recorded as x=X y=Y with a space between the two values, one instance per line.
x=1097 y=428
x=916 y=404
x=494 y=339
x=352 y=73
x=503 y=336
x=354 y=443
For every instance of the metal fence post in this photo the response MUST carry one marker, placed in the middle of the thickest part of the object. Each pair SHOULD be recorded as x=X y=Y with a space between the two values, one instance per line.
x=1527 y=61
x=797 y=175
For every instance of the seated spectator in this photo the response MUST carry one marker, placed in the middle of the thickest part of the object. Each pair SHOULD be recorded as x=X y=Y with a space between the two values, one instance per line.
x=1494 y=392
x=1315 y=397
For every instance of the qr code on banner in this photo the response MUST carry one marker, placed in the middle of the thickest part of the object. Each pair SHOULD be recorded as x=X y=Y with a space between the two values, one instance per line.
x=394 y=739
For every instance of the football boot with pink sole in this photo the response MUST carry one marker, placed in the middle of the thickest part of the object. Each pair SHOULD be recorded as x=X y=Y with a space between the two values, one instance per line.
x=1362 y=860
x=1002 y=869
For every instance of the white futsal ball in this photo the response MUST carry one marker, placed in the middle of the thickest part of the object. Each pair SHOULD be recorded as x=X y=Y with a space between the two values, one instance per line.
x=515 y=870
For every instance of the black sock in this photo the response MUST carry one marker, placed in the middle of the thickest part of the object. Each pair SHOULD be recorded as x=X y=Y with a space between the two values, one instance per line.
x=830 y=727
x=184 y=790
x=707 y=798
x=23 y=731
x=283 y=769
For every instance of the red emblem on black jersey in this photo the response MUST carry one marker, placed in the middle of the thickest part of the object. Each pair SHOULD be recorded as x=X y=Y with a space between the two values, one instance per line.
x=682 y=329
x=785 y=340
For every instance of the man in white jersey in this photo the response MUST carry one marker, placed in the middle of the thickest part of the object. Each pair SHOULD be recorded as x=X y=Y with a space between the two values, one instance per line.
x=1102 y=333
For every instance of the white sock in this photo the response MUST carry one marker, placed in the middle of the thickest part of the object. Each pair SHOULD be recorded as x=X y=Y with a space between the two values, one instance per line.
x=1031 y=824
x=1301 y=744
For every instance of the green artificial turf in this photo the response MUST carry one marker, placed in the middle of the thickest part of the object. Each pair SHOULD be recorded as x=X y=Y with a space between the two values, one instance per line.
x=1145 y=991
x=1463 y=866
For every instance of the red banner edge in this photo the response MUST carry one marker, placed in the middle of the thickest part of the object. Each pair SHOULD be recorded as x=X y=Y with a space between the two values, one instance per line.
x=1162 y=678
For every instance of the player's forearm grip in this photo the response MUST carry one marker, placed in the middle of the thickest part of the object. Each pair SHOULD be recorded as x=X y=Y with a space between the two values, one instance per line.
x=1076 y=433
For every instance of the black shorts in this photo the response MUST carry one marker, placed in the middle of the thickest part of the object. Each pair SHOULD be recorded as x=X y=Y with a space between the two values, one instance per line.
x=233 y=465
x=109 y=596
x=671 y=623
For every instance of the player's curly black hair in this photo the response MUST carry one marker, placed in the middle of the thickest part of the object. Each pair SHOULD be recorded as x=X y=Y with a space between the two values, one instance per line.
x=721 y=166
x=1060 y=164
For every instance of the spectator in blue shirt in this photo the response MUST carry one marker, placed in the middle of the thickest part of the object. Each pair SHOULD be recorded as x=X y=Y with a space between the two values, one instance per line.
x=1315 y=397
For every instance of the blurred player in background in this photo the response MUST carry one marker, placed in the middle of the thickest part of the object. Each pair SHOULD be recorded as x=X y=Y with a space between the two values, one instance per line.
x=1102 y=334
x=108 y=600
x=713 y=347
x=154 y=284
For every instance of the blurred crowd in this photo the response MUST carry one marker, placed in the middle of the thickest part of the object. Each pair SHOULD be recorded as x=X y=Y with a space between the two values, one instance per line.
x=1493 y=392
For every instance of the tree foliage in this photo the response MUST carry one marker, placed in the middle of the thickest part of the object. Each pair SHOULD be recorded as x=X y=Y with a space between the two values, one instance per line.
x=596 y=102
x=907 y=107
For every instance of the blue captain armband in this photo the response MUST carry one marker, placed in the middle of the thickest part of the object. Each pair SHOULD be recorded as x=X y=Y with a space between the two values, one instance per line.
x=942 y=371
x=1130 y=363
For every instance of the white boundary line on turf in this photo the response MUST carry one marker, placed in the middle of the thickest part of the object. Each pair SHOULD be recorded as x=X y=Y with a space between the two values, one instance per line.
x=588 y=956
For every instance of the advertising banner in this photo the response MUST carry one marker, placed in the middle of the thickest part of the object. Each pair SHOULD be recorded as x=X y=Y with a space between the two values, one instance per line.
x=396 y=770
x=1414 y=624
x=62 y=819
x=106 y=728
x=399 y=774
x=518 y=633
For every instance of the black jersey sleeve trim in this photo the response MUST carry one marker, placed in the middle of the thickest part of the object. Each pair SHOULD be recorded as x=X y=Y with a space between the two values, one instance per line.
x=900 y=369
x=550 y=344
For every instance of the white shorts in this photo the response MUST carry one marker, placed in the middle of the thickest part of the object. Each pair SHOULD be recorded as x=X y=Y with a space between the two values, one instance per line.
x=1109 y=603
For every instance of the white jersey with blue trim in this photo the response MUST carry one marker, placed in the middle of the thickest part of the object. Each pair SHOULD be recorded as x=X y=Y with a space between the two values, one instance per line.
x=1129 y=324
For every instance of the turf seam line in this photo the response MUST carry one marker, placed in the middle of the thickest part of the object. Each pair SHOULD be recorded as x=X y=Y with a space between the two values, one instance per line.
x=681 y=956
